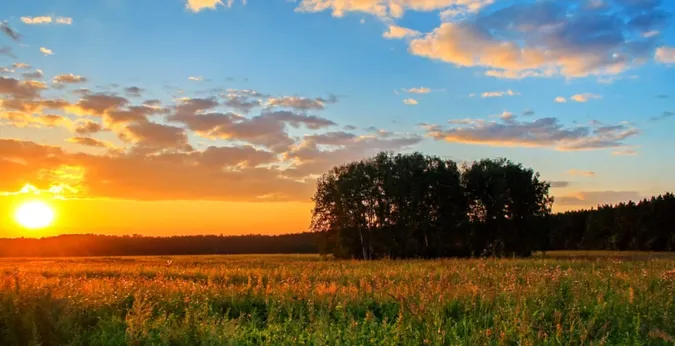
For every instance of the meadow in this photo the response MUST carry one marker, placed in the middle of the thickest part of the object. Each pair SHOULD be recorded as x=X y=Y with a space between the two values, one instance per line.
x=550 y=299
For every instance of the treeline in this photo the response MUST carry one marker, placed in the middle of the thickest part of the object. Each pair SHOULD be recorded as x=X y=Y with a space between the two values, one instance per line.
x=648 y=225
x=102 y=245
x=405 y=206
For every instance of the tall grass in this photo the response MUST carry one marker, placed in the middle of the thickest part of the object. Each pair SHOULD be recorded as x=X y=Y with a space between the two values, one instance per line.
x=296 y=300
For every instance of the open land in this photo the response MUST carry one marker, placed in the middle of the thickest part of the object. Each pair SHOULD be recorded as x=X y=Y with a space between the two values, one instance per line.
x=557 y=298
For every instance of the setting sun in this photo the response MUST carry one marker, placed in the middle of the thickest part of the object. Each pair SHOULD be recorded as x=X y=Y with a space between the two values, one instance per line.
x=34 y=214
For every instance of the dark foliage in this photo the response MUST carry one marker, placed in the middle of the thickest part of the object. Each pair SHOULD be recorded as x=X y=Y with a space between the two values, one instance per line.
x=404 y=206
x=648 y=225
x=101 y=245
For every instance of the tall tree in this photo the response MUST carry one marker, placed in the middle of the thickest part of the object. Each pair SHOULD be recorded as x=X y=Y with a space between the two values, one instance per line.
x=508 y=207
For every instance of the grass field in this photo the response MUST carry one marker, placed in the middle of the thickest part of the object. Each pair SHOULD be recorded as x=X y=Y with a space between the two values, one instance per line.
x=293 y=300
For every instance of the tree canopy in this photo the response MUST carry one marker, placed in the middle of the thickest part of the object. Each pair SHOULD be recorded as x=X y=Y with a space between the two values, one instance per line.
x=412 y=205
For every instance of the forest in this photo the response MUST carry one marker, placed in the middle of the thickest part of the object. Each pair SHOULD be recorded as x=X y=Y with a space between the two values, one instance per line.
x=413 y=206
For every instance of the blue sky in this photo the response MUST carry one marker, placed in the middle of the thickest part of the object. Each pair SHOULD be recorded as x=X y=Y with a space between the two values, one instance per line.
x=340 y=71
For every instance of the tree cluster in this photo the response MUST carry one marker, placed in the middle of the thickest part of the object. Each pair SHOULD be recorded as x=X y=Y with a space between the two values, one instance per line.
x=648 y=225
x=102 y=245
x=411 y=205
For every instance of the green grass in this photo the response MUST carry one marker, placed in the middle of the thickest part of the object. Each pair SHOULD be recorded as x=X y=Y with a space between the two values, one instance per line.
x=295 y=300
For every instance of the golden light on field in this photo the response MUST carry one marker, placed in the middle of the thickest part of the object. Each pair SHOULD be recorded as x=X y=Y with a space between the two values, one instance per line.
x=34 y=214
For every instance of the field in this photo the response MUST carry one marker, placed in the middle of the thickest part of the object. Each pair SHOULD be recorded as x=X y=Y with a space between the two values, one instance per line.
x=552 y=299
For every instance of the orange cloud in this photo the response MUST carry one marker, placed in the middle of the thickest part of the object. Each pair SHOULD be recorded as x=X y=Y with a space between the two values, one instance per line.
x=91 y=142
x=590 y=199
x=581 y=173
x=665 y=55
x=585 y=97
x=399 y=32
x=530 y=40
x=69 y=79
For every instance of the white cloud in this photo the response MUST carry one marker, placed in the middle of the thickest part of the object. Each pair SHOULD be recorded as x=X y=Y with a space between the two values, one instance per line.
x=420 y=90
x=196 y=79
x=47 y=20
x=410 y=102
x=64 y=20
x=46 y=51
x=560 y=99
x=489 y=94
x=390 y=8
x=37 y=20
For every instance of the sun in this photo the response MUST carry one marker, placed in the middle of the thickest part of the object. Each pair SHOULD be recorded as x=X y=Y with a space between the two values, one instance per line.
x=34 y=214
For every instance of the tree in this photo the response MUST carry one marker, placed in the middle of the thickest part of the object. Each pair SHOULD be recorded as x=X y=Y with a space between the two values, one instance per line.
x=508 y=207
x=402 y=206
x=395 y=206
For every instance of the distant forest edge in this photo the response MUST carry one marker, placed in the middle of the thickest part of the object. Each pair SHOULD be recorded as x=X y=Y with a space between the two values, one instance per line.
x=413 y=206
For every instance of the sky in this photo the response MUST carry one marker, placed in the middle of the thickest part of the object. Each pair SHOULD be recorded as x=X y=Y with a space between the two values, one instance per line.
x=217 y=117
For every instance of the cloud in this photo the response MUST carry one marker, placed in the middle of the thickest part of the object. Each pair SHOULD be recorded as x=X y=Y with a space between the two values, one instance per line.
x=543 y=132
x=585 y=97
x=625 y=152
x=581 y=173
x=20 y=65
x=410 y=102
x=560 y=99
x=69 y=79
x=64 y=20
x=489 y=94
x=161 y=176
x=594 y=198
x=317 y=153
x=267 y=129
x=22 y=119
x=662 y=96
x=240 y=156
x=11 y=33
x=90 y=142
x=388 y=8
x=665 y=115
x=37 y=74
x=98 y=104
x=46 y=51
x=665 y=55
x=47 y=20
x=196 y=79
x=88 y=127
x=198 y=5
x=420 y=90
x=243 y=100
x=300 y=103
x=156 y=136
x=20 y=89
x=6 y=51
x=133 y=91
x=559 y=184
x=399 y=32
x=547 y=38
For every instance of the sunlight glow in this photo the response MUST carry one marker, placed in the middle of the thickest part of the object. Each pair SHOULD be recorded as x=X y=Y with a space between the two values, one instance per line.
x=34 y=214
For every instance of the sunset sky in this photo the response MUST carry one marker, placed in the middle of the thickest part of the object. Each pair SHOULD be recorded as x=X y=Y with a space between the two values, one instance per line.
x=205 y=116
